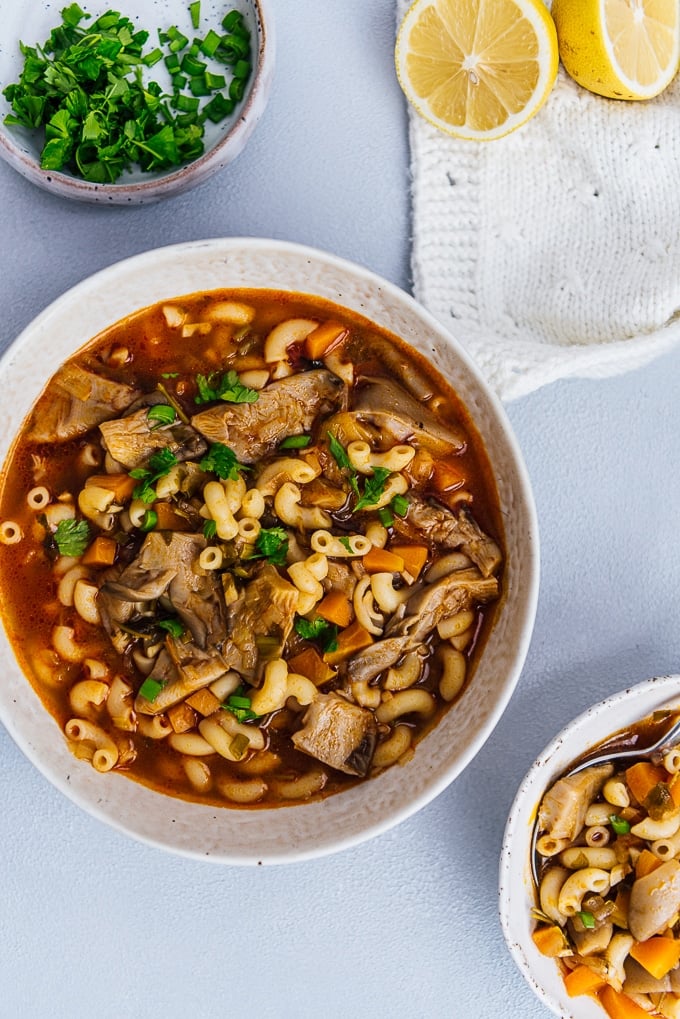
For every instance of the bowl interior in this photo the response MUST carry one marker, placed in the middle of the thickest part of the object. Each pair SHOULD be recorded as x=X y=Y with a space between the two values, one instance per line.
x=516 y=895
x=32 y=24
x=354 y=815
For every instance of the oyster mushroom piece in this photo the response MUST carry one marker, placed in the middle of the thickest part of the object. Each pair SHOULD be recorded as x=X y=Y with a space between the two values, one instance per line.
x=563 y=808
x=79 y=400
x=338 y=733
x=654 y=901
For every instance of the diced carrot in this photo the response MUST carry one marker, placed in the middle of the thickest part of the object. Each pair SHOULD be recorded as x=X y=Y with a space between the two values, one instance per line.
x=324 y=338
x=380 y=560
x=657 y=955
x=353 y=639
x=204 y=701
x=101 y=552
x=182 y=717
x=414 y=556
x=447 y=476
x=335 y=607
x=122 y=485
x=549 y=941
x=618 y=1005
x=646 y=863
x=582 y=980
x=309 y=663
x=169 y=519
x=642 y=777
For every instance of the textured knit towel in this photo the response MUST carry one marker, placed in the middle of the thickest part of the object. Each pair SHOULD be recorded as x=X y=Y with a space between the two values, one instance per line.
x=555 y=251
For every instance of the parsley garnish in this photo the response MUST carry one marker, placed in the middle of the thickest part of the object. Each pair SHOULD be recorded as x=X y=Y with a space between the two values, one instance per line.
x=272 y=544
x=160 y=463
x=72 y=537
x=339 y=453
x=229 y=388
x=210 y=529
x=374 y=486
x=221 y=460
x=318 y=629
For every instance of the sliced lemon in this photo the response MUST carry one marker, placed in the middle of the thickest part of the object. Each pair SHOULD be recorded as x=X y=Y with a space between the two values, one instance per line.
x=477 y=69
x=623 y=49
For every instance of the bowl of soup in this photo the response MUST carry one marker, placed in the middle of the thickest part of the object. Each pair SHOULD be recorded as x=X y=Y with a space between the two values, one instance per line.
x=268 y=551
x=160 y=96
x=590 y=864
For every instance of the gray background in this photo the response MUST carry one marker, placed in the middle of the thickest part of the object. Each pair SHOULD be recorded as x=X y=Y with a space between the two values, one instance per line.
x=93 y=924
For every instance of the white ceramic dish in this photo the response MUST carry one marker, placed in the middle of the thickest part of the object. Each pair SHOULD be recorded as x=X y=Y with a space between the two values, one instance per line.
x=293 y=833
x=32 y=23
x=516 y=885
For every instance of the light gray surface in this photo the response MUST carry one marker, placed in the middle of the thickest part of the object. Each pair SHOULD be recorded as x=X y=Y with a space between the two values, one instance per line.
x=96 y=925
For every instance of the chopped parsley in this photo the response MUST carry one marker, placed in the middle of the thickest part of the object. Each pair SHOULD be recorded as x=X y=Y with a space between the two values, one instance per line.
x=221 y=460
x=318 y=629
x=151 y=688
x=272 y=544
x=160 y=464
x=339 y=453
x=210 y=529
x=228 y=388
x=72 y=537
x=374 y=486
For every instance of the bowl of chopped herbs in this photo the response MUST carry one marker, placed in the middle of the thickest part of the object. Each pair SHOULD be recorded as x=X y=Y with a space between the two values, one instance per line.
x=131 y=106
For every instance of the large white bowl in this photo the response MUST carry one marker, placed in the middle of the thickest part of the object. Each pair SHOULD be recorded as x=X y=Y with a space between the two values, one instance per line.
x=516 y=896
x=289 y=833
x=31 y=22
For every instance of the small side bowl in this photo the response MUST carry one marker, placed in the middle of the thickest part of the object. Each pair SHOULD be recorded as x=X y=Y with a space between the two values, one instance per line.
x=369 y=808
x=516 y=888
x=31 y=23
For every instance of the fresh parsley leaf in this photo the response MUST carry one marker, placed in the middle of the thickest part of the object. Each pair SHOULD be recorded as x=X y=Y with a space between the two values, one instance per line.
x=318 y=629
x=72 y=537
x=221 y=460
x=346 y=543
x=210 y=529
x=228 y=388
x=161 y=414
x=272 y=544
x=374 y=487
x=160 y=464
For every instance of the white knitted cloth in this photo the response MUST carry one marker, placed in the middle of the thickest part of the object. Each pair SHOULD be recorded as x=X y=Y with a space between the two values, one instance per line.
x=555 y=251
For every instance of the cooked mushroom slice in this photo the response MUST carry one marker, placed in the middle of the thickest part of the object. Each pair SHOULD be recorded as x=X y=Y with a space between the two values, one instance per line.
x=639 y=981
x=79 y=400
x=338 y=733
x=168 y=563
x=259 y=621
x=133 y=439
x=288 y=406
x=450 y=531
x=181 y=668
x=400 y=416
x=654 y=901
x=563 y=808
x=422 y=612
x=592 y=941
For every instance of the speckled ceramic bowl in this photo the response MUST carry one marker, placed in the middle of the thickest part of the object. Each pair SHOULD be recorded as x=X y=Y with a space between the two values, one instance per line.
x=32 y=22
x=313 y=829
x=516 y=884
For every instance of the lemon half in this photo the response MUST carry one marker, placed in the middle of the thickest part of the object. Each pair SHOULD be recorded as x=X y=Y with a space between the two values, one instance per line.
x=623 y=49
x=477 y=69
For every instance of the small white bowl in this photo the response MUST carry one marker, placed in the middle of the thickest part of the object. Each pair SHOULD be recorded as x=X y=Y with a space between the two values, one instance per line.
x=316 y=828
x=516 y=895
x=31 y=23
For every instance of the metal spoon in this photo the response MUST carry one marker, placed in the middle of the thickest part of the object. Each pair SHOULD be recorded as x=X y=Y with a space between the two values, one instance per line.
x=605 y=757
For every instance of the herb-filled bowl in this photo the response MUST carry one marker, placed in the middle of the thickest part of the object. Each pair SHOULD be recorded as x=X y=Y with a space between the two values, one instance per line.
x=283 y=543
x=132 y=106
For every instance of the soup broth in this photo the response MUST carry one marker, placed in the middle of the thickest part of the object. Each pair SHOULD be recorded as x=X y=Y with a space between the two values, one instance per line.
x=250 y=548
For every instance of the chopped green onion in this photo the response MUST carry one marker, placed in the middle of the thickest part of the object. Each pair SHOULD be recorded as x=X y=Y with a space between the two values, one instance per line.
x=198 y=87
x=385 y=516
x=171 y=62
x=215 y=81
x=211 y=43
x=231 y=20
x=195 y=12
x=186 y=104
x=151 y=688
x=619 y=824
x=295 y=442
x=162 y=414
x=210 y=529
x=236 y=701
x=218 y=108
x=191 y=66
x=149 y=520
x=177 y=40
x=241 y=69
x=237 y=88
x=153 y=57
x=587 y=919
x=173 y=627
x=400 y=505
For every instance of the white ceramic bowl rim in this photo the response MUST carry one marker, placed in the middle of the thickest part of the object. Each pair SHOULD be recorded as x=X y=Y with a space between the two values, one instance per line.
x=328 y=825
x=516 y=889
x=150 y=187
